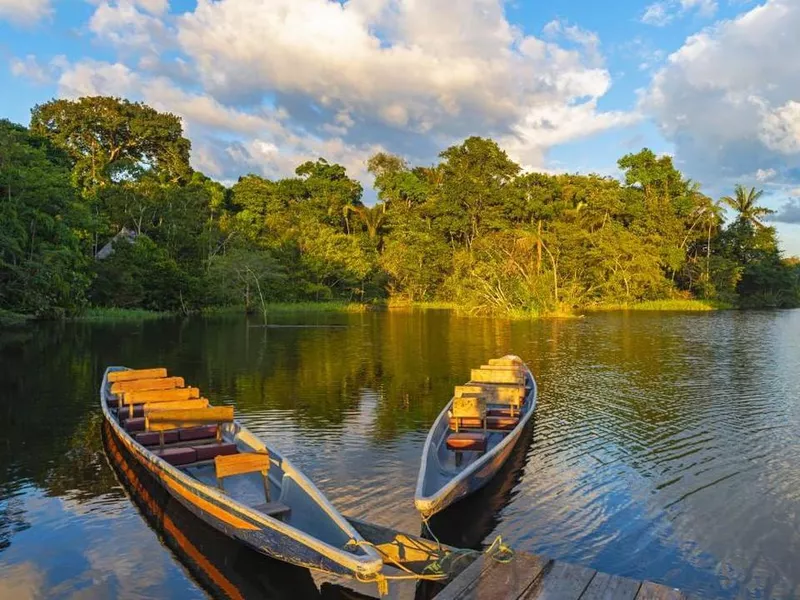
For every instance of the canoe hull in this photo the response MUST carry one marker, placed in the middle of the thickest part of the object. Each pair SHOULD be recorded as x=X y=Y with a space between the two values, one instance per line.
x=226 y=517
x=479 y=473
x=223 y=520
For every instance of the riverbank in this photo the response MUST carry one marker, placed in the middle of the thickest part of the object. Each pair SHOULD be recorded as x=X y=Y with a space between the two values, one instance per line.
x=99 y=314
x=9 y=319
x=677 y=305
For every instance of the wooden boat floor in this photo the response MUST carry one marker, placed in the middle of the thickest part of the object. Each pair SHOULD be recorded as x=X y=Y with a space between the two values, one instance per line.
x=247 y=489
x=447 y=457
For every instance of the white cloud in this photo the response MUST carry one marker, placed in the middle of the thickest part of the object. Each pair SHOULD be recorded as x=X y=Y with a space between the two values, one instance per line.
x=25 y=12
x=658 y=14
x=765 y=174
x=438 y=67
x=30 y=68
x=663 y=12
x=727 y=98
x=263 y=84
x=123 y=25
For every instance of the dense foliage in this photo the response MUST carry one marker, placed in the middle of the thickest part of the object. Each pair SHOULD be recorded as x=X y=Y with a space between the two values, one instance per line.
x=473 y=229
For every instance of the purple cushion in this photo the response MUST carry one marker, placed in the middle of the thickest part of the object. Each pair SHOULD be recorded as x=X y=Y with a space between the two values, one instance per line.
x=209 y=451
x=125 y=411
x=151 y=437
x=135 y=424
x=198 y=433
x=177 y=456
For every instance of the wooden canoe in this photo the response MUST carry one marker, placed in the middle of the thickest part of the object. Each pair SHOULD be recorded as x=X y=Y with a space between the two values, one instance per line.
x=264 y=501
x=460 y=456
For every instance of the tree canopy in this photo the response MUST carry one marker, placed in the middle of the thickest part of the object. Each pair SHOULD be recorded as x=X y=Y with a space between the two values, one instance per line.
x=472 y=229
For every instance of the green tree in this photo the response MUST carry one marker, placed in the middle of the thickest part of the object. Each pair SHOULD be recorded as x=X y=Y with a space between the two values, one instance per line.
x=111 y=140
x=42 y=269
x=745 y=203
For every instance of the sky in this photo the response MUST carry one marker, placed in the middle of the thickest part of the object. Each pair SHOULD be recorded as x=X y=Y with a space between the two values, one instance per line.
x=263 y=85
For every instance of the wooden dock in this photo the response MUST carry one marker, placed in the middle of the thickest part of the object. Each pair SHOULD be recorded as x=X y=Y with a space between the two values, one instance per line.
x=529 y=577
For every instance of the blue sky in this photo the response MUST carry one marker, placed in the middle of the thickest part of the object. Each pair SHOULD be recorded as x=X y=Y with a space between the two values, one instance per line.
x=570 y=86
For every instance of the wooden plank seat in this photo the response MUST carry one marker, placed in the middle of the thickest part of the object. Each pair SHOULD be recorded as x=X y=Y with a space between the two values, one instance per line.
x=243 y=464
x=273 y=509
x=193 y=423
x=467 y=441
x=130 y=411
x=141 y=385
x=497 y=376
x=147 y=396
x=131 y=374
x=492 y=423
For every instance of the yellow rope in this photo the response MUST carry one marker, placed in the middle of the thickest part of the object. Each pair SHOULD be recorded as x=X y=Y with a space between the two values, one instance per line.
x=497 y=551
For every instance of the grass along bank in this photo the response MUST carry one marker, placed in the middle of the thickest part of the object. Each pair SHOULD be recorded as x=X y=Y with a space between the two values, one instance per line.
x=8 y=318
x=99 y=314
x=678 y=305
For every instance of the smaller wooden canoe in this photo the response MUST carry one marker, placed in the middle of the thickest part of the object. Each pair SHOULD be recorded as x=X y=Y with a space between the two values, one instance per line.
x=475 y=432
x=227 y=476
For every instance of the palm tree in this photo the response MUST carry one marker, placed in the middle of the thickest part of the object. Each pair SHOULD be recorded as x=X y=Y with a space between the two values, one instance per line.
x=744 y=203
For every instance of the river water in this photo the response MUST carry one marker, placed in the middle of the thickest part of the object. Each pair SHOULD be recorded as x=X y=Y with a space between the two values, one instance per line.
x=666 y=446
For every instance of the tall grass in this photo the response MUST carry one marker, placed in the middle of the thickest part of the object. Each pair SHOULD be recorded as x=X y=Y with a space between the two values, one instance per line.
x=120 y=314
x=685 y=305
x=8 y=318
x=291 y=307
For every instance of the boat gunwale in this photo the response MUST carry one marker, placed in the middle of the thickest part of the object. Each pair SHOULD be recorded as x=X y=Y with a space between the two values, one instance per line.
x=346 y=559
x=424 y=503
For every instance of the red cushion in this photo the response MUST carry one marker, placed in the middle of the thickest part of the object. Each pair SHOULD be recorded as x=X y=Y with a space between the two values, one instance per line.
x=466 y=423
x=177 y=456
x=202 y=432
x=151 y=437
x=467 y=441
x=501 y=422
x=209 y=451
x=135 y=424
x=501 y=412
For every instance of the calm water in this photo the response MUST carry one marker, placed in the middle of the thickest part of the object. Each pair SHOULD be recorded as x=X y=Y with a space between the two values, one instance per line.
x=665 y=446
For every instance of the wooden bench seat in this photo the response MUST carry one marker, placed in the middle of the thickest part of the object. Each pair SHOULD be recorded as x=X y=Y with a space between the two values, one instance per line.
x=131 y=374
x=273 y=509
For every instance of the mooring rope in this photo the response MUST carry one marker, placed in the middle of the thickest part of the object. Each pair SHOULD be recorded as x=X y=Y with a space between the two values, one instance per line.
x=435 y=570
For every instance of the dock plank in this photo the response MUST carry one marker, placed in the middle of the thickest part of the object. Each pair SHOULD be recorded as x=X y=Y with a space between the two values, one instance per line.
x=506 y=581
x=611 y=587
x=464 y=580
x=562 y=581
x=655 y=591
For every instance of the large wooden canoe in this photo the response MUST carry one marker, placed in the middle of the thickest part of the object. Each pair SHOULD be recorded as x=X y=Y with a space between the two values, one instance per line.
x=475 y=433
x=227 y=476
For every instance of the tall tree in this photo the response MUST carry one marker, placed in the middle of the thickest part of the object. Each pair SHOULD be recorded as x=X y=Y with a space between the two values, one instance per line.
x=745 y=203
x=110 y=140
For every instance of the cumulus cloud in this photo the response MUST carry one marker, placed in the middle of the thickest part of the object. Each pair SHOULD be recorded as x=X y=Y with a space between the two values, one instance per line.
x=31 y=69
x=264 y=84
x=430 y=68
x=663 y=12
x=788 y=213
x=27 y=12
x=727 y=99
x=763 y=175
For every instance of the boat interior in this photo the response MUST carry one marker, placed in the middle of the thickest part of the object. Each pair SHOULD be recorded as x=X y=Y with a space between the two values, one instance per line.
x=481 y=414
x=176 y=423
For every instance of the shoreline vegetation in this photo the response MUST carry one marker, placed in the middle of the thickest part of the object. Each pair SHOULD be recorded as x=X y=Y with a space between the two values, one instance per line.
x=99 y=314
x=100 y=207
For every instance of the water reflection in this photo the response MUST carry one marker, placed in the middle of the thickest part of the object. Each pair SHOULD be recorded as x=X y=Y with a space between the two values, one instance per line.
x=469 y=522
x=666 y=444
x=224 y=567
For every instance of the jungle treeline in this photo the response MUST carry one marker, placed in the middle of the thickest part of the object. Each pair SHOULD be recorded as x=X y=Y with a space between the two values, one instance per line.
x=99 y=206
